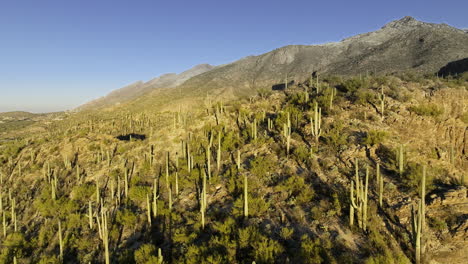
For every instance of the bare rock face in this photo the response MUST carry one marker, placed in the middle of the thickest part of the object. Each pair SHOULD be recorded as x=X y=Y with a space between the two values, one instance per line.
x=456 y=196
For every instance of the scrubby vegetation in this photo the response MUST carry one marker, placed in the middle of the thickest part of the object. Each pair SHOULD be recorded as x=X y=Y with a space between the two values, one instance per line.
x=318 y=173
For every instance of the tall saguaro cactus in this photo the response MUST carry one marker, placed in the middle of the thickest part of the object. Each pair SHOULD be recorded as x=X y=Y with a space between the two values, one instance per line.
x=382 y=103
x=203 y=200
x=358 y=199
x=218 y=153
x=379 y=184
x=400 y=160
x=60 y=239
x=246 y=197
x=418 y=221
x=316 y=122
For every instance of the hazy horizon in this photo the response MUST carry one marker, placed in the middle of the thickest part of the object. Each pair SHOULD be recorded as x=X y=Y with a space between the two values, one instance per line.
x=58 y=55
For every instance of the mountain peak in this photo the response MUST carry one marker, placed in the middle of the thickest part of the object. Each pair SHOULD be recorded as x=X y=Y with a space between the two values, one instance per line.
x=403 y=22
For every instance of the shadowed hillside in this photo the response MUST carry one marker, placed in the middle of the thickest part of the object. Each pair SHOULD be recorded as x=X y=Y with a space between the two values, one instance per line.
x=330 y=172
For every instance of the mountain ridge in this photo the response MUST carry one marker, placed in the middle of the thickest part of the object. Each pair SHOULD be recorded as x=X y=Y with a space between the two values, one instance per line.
x=401 y=45
x=139 y=88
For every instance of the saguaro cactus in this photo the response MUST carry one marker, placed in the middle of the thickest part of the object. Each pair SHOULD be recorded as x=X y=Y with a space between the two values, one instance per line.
x=203 y=200
x=400 y=160
x=218 y=153
x=418 y=221
x=332 y=96
x=208 y=161
x=60 y=239
x=148 y=209
x=358 y=199
x=246 y=197
x=382 y=103
x=90 y=215
x=379 y=184
x=316 y=122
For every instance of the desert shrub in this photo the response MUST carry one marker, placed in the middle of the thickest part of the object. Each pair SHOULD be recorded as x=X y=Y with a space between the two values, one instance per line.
x=375 y=137
x=437 y=224
x=413 y=175
x=352 y=85
x=388 y=258
x=336 y=135
x=298 y=190
x=230 y=141
x=266 y=250
x=47 y=207
x=302 y=154
x=138 y=194
x=427 y=110
x=310 y=251
x=363 y=96
x=49 y=260
x=12 y=149
x=146 y=254
x=286 y=233
x=83 y=192
x=464 y=117
x=262 y=166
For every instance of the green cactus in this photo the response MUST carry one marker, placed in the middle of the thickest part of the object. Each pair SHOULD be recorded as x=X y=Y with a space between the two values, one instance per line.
x=380 y=184
x=218 y=153
x=418 y=221
x=4 y=224
x=208 y=161
x=148 y=209
x=155 y=199
x=400 y=160
x=160 y=256
x=60 y=239
x=203 y=200
x=316 y=122
x=90 y=215
x=332 y=96
x=358 y=199
x=246 y=198
x=382 y=103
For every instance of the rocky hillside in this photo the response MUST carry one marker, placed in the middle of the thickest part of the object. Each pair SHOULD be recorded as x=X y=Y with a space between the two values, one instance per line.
x=405 y=45
x=327 y=172
x=140 y=88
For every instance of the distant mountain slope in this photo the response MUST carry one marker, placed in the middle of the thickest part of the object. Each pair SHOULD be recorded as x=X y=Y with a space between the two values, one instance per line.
x=405 y=44
x=401 y=45
x=140 y=88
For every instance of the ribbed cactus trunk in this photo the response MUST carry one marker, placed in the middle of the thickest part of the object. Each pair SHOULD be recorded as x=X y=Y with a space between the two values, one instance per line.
x=316 y=122
x=380 y=184
x=400 y=160
x=148 y=209
x=418 y=221
x=246 y=197
x=218 y=153
x=382 y=103
x=90 y=215
x=60 y=240
x=203 y=200
x=358 y=197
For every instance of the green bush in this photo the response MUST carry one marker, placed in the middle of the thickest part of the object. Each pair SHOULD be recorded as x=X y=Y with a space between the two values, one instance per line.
x=375 y=137
x=427 y=110
x=146 y=254
x=464 y=117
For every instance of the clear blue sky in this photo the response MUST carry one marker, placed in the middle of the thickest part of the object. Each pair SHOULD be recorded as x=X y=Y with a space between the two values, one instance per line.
x=56 y=55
